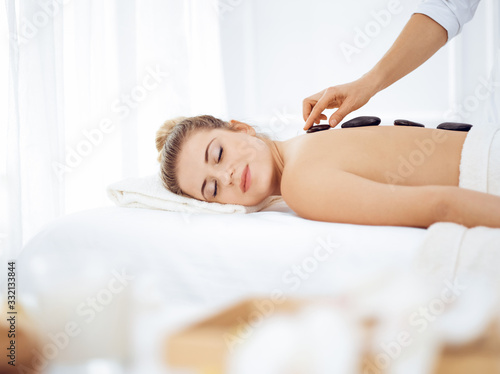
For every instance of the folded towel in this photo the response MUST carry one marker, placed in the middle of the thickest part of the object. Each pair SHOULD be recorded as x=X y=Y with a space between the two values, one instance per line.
x=149 y=192
x=480 y=161
x=462 y=263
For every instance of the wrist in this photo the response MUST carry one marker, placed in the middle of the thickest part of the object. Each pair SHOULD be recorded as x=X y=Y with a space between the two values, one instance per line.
x=373 y=81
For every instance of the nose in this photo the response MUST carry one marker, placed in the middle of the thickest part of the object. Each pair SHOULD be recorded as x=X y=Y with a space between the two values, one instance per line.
x=226 y=177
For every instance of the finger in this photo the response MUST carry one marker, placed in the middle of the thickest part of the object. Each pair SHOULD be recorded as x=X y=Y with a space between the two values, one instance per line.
x=307 y=106
x=339 y=115
x=315 y=113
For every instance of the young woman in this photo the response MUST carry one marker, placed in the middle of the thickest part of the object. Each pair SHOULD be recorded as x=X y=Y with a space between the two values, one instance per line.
x=371 y=175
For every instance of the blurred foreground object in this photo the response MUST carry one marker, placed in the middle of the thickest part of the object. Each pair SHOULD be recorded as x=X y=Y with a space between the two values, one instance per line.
x=309 y=336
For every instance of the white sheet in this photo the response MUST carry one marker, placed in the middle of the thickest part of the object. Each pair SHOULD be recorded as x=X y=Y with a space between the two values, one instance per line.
x=187 y=265
x=450 y=298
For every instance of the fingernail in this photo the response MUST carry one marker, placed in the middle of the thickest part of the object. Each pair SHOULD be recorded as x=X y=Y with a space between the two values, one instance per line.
x=333 y=122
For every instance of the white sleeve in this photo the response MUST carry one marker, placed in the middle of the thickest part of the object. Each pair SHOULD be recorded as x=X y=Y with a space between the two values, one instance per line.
x=451 y=14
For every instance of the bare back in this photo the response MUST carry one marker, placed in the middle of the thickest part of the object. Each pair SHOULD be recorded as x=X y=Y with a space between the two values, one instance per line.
x=402 y=155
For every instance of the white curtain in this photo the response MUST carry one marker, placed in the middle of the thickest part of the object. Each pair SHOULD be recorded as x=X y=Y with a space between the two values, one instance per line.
x=90 y=81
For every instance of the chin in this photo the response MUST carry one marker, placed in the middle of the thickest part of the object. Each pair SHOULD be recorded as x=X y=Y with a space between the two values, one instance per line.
x=261 y=186
x=258 y=201
x=261 y=199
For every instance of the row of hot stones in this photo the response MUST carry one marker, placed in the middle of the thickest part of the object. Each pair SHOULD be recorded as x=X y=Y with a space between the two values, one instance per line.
x=375 y=121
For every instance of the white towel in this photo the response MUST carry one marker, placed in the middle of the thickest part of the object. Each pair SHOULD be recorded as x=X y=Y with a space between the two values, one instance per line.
x=479 y=163
x=149 y=192
x=480 y=158
x=464 y=261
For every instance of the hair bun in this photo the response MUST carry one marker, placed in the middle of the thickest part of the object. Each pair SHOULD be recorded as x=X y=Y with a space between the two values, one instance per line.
x=164 y=131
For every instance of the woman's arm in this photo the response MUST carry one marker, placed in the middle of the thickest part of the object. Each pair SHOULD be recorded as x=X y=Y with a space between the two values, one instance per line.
x=340 y=196
x=472 y=208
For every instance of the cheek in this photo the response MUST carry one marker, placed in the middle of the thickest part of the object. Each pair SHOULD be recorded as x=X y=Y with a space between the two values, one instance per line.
x=262 y=169
x=249 y=154
x=247 y=151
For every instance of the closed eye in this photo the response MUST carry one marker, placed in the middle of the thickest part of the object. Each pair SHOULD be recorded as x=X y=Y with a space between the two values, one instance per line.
x=215 y=189
x=220 y=155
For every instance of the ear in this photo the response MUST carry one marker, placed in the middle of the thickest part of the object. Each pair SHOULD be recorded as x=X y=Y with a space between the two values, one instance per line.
x=242 y=126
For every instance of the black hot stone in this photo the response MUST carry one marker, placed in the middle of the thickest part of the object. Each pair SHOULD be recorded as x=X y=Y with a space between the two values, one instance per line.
x=455 y=126
x=318 y=128
x=362 y=121
x=405 y=122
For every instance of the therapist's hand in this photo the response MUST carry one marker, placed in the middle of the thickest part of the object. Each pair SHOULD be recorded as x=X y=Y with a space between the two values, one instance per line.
x=346 y=97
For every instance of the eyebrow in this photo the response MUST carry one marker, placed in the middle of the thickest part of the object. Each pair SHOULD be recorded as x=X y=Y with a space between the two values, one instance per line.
x=206 y=161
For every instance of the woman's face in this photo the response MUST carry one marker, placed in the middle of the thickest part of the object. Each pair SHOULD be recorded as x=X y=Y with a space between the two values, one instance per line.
x=218 y=178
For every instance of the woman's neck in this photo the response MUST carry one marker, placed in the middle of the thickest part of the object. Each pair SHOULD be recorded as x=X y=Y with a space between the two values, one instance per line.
x=276 y=148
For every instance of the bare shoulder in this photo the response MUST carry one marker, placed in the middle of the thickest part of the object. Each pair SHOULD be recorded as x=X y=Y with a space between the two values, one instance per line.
x=300 y=187
x=321 y=192
x=305 y=163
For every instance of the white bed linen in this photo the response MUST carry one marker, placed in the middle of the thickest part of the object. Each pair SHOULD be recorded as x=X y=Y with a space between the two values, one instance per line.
x=186 y=266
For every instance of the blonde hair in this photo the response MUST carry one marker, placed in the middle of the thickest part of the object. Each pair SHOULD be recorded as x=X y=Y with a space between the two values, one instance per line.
x=171 y=136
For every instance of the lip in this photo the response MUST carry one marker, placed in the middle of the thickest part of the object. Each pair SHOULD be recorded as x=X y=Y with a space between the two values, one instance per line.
x=245 y=180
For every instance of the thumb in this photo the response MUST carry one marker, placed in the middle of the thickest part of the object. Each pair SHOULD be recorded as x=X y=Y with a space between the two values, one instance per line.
x=339 y=115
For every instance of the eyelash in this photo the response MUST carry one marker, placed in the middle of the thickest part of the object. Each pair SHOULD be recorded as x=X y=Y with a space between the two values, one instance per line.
x=220 y=155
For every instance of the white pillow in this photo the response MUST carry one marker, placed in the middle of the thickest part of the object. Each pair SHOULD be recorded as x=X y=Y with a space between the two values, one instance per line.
x=149 y=192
